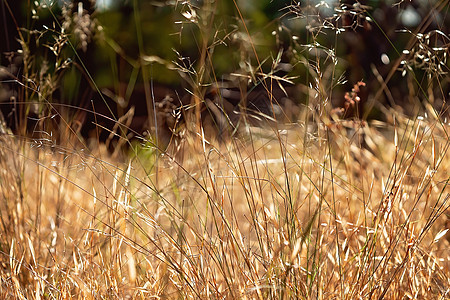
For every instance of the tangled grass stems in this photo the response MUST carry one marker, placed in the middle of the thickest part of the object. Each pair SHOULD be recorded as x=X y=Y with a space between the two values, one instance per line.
x=213 y=227
x=321 y=208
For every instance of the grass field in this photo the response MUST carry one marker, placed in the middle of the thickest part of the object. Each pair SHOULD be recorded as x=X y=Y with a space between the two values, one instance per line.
x=319 y=208
x=281 y=214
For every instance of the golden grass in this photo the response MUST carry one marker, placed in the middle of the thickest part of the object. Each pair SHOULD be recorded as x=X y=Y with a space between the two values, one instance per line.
x=318 y=210
x=350 y=211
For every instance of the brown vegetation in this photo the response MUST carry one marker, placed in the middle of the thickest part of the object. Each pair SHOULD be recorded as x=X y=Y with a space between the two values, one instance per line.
x=255 y=187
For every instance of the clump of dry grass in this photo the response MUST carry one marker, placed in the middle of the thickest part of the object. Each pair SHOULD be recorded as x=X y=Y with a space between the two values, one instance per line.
x=319 y=208
x=269 y=217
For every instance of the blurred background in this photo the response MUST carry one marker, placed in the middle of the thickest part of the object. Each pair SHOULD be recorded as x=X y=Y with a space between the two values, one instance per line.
x=71 y=51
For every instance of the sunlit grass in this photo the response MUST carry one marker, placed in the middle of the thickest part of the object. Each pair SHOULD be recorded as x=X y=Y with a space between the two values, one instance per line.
x=249 y=218
x=313 y=207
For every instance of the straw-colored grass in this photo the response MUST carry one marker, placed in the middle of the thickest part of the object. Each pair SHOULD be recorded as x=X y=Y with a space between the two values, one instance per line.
x=293 y=213
x=322 y=208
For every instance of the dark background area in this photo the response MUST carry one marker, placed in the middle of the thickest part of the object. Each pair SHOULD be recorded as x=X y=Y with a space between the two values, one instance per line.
x=118 y=43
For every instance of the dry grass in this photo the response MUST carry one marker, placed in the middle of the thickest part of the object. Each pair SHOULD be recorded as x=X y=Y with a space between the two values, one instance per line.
x=320 y=208
x=269 y=216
